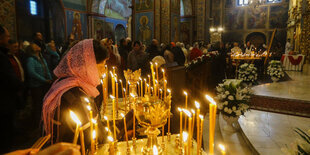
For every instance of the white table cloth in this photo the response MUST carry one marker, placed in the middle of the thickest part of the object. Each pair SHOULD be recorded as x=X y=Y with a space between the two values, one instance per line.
x=293 y=62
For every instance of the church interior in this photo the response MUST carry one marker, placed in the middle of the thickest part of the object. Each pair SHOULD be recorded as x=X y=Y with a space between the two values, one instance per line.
x=155 y=77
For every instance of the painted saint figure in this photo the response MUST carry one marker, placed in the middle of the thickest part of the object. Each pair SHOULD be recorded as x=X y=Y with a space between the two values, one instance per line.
x=144 y=30
x=77 y=26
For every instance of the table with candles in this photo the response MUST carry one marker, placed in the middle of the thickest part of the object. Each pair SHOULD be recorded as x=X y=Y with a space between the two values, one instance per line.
x=151 y=102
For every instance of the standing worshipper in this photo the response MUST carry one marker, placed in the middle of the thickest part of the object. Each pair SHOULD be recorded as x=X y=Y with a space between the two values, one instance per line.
x=39 y=79
x=178 y=55
x=123 y=51
x=185 y=52
x=78 y=75
x=11 y=86
x=248 y=48
x=38 y=39
x=52 y=57
x=115 y=58
x=137 y=58
x=195 y=52
x=153 y=49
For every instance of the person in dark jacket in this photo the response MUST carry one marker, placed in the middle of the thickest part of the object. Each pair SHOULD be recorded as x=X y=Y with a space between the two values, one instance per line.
x=11 y=87
x=39 y=79
x=38 y=39
x=153 y=50
x=178 y=55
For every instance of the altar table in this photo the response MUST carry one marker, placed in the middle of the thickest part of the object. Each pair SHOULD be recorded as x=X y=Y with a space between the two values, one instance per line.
x=170 y=147
x=293 y=62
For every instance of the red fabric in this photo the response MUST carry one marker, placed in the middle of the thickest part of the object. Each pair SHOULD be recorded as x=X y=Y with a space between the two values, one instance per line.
x=77 y=69
x=295 y=61
x=282 y=58
x=195 y=53
x=15 y=67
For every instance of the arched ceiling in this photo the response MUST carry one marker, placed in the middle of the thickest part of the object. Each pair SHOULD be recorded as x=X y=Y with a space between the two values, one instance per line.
x=118 y=9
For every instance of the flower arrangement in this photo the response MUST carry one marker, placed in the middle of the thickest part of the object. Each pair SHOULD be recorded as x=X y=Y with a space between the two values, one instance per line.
x=275 y=70
x=301 y=145
x=233 y=98
x=197 y=61
x=247 y=73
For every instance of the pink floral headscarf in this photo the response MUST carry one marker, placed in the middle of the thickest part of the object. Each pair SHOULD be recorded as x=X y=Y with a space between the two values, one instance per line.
x=77 y=69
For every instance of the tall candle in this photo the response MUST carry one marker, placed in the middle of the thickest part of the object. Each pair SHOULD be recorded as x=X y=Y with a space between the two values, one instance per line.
x=198 y=124
x=125 y=127
x=141 y=85
x=185 y=120
x=200 y=134
x=78 y=124
x=111 y=142
x=92 y=142
x=145 y=89
x=114 y=126
x=185 y=140
x=108 y=124
x=96 y=129
x=156 y=66
x=189 y=115
x=149 y=82
x=153 y=77
x=193 y=121
x=212 y=118
x=113 y=84
x=134 y=118
x=169 y=91
x=138 y=85
x=165 y=88
x=181 y=130
x=161 y=94
x=125 y=101
x=116 y=97
x=122 y=88
x=82 y=141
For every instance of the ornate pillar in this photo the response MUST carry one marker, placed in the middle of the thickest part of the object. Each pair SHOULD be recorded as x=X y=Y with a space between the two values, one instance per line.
x=305 y=30
x=200 y=12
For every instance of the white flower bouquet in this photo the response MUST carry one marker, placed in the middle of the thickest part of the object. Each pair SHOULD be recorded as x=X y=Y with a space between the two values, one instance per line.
x=275 y=70
x=300 y=146
x=197 y=61
x=233 y=98
x=247 y=73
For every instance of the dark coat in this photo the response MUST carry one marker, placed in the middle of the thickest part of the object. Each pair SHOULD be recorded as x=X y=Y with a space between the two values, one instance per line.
x=178 y=56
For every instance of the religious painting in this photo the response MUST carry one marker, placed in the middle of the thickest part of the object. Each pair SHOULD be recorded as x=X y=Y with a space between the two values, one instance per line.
x=76 y=24
x=118 y=9
x=174 y=6
x=228 y=3
x=185 y=8
x=143 y=5
x=95 y=6
x=185 y=32
x=103 y=29
x=144 y=27
x=234 y=19
x=257 y=18
x=75 y=4
x=175 y=28
x=278 y=16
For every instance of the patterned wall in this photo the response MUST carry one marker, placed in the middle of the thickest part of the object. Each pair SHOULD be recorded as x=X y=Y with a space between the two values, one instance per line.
x=200 y=19
x=165 y=21
x=8 y=16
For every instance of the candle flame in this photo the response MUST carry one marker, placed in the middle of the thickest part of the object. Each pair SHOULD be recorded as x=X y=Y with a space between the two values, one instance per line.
x=138 y=83
x=201 y=116
x=94 y=121
x=132 y=95
x=160 y=90
x=163 y=70
x=120 y=81
x=140 y=78
x=104 y=75
x=156 y=63
x=105 y=117
x=148 y=76
x=147 y=85
x=122 y=115
x=156 y=81
x=113 y=67
x=144 y=79
x=197 y=104
x=86 y=99
x=187 y=113
x=180 y=110
x=193 y=111
x=128 y=82
x=185 y=93
x=115 y=79
x=112 y=97
x=151 y=63
x=155 y=150
x=210 y=99
x=152 y=88
x=111 y=74
x=74 y=117
x=124 y=89
x=110 y=139
x=107 y=129
x=168 y=90
x=88 y=107
x=222 y=147
x=165 y=81
x=101 y=81
x=185 y=136
x=94 y=134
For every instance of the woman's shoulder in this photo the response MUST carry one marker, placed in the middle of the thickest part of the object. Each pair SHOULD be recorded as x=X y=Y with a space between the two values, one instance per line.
x=72 y=96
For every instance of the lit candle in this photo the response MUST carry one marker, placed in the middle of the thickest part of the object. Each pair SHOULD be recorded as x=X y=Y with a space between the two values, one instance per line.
x=111 y=140
x=114 y=126
x=189 y=115
x=200 y=134
x=125 y=101
x=126 y=87
x=193 y=121
x=155 y=150
x=145 y=89
x=152 y=90
x=138 y=85
x=116 y=96
x=164 y=75
x=212 y=118
x=153 y=77
x=96 y=129
x=198 y=129
x=157 y=88
x=113 y=84
x=106 y=118
x=181 y=130
x=125 y=127
x=82 y=141
x=185 y=121
x=141 y=86
x=134 y=119
x=92 y=143
x=156 y=66
x=161 y=94
x=222 y=147
x=78 y=124
x=90 y=118
x=149 y=83
x=185 y=140
x=169 y=91
x=165 y=88
x=122 y=88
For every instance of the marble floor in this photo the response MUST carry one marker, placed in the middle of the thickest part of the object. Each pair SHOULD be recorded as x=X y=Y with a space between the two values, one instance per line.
x=269 y=132
x=298 y=88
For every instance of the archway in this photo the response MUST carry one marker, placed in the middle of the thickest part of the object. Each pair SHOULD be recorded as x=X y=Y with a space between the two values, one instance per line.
x=120 y=32
x=256 y=38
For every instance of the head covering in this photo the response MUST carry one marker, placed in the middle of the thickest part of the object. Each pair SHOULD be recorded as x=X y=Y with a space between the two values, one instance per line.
x=77 y=69
x=172 y=44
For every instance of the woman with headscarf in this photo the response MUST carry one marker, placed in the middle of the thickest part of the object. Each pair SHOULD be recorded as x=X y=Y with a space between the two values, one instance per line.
x=78 y=75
